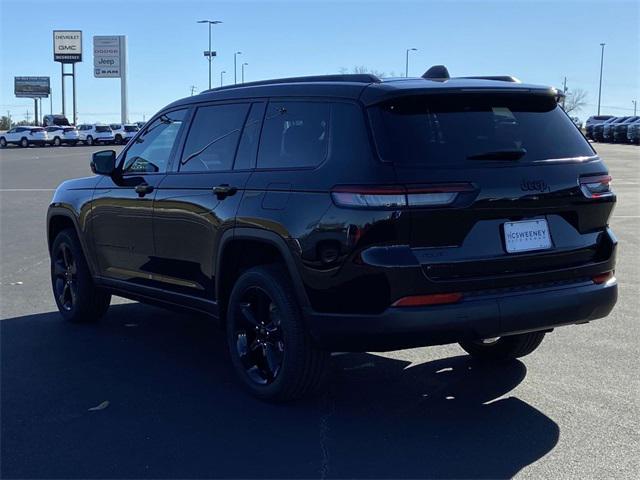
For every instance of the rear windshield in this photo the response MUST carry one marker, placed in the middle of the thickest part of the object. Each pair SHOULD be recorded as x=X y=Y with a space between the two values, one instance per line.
x=103 y=128
x=37 y=129
x=131 y=128
x=469 y=127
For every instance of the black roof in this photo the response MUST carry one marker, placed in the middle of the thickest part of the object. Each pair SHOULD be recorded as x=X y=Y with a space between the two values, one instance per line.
x=366 y=88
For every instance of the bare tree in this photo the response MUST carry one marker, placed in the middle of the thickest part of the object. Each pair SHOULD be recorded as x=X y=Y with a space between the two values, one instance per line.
x=362 y=69
x=575 y=100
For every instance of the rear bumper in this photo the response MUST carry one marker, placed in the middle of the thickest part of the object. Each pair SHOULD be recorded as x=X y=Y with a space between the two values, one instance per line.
x=480 y=317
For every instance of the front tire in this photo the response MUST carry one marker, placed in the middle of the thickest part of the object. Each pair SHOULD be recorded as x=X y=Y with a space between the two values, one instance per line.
x=56 y=142
x=24 y=143
x=77 y=297
x=503 y=348
x=118 y=139
x=3 y=142
x=271 y=351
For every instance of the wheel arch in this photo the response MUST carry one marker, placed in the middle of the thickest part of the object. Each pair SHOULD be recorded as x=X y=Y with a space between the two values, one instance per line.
x=272 y=248
x=60 y=218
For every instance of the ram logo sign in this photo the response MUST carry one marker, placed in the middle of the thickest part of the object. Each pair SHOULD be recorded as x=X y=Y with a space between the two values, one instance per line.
x=67 y=46
x=108 y=52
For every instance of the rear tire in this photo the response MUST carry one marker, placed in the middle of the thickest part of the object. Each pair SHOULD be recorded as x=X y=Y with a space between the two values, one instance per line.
x=118 y=139
x=89 y=140
x=77 y=297
x=3 y=142
x=56 y=141
x=504 y=348
x=272 y=353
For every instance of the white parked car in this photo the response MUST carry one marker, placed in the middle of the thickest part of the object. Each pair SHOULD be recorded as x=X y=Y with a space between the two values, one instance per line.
x=58 y=135
x=95 y=133
x=24 y=136
x=124 y=133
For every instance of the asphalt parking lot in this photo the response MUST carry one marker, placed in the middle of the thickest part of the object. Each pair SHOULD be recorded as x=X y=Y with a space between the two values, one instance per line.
x=570 y=410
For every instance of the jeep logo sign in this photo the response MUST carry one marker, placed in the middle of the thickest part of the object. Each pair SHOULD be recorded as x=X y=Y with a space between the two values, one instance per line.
x=67 y=46
x=108 y=56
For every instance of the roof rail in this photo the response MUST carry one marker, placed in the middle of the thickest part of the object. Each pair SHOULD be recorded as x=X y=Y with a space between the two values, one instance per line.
x=500 y=78
x=440 y=73
x=353 y=78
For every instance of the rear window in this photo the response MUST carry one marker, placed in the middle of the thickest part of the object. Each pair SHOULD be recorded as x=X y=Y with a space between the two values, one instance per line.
x=462 y=128
x=67 y=130
x=37 y=129
x=131 y=128
x=103 y=128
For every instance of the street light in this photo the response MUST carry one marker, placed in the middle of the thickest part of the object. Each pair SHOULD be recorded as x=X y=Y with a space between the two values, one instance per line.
x=635 y=106
x=406 y=67
x=600 y=87
x=209 y=54
x=221 y=74
x=242 y=68
x=235 y=69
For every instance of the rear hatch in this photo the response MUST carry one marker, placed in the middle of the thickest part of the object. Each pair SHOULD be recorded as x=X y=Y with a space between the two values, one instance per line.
x=502 y=188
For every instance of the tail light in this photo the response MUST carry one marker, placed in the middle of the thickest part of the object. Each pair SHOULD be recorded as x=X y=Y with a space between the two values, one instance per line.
x=602 y=278
x=392 y=197
x=596 y=186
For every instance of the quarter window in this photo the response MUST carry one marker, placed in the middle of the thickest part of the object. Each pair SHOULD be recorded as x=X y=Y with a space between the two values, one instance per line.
x=294 y=135
x=213 y=138
x=151 y=151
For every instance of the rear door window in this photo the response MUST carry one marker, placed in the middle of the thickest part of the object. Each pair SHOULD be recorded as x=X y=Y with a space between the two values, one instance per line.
x=294 y=135
x=462 y=129
x=213 y=138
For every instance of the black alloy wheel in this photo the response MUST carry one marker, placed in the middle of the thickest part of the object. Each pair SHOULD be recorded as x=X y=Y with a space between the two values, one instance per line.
x=271 y=351
x=77 y=297
x=65 y=272
x=259 y=341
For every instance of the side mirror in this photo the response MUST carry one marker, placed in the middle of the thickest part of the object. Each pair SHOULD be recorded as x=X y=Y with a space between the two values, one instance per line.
x=103 y=162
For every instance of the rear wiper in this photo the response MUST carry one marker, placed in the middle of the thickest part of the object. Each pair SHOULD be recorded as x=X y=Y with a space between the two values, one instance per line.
x=500 y=155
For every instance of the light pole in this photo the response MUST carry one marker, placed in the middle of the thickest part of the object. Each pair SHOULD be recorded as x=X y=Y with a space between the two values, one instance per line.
x=635 y=106
x=406 y=65
x=600 y=87
x=209 y=54
x=221 y=74
x=242 y=69
x=235 y=68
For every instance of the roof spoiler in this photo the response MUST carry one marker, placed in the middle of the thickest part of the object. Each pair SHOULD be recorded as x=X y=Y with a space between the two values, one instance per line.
x=500 y=78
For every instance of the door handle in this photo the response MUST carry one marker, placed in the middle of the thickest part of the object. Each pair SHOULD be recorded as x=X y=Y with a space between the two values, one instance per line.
x=224 y=190
x=143 y=189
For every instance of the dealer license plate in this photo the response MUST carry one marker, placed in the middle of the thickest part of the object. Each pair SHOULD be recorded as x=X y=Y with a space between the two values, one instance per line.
x=527 y=235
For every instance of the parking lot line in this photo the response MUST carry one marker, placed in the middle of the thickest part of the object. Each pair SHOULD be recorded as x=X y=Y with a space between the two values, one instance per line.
x=2 y=190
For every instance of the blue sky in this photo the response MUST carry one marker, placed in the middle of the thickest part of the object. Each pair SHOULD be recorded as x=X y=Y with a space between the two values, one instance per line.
x=539 y=42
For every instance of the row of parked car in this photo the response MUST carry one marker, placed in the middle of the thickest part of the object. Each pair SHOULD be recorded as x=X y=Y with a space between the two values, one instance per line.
x=607 y=128
x=88 y=134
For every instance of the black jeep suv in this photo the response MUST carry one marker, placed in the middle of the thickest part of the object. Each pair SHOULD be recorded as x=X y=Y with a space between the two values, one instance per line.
x=346 y=213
